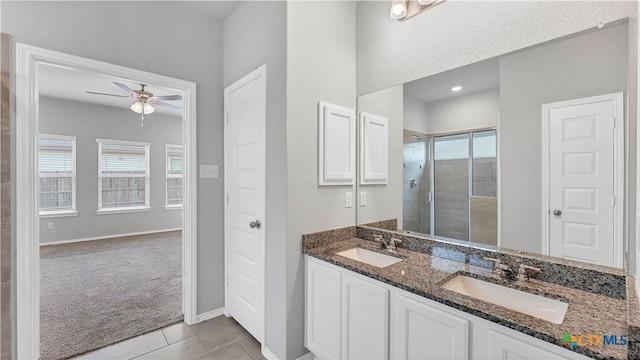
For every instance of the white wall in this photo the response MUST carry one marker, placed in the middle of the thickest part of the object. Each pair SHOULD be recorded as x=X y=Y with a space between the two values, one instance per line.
x=246 y=48
x=467 y=112
x=563 y=70
x=167 y=39
x=416 y=113
x=459 y=33
x=321 y=56
x=385 y=201
x=87 y=122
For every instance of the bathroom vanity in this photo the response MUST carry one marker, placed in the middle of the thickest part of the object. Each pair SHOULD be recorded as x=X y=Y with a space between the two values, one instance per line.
x=356 y=309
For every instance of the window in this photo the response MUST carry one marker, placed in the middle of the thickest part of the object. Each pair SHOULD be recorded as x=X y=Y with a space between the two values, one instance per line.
x=123 y=176
x=57 y=170
x=174 y=174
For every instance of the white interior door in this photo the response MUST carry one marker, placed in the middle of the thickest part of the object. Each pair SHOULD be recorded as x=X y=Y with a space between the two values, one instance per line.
x=582 y=180
x=245 y=111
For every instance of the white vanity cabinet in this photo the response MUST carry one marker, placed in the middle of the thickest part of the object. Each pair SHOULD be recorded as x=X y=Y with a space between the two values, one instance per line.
x=322 y=307
x=346 y=315
x=349 y=316
x=495 y=342
x=421 y=331
x=365 y=317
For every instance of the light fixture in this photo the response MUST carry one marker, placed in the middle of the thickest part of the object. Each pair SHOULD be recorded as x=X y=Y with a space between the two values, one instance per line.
x=398 y=9
x=142 y=108
x=456 y=88
x=403 y=10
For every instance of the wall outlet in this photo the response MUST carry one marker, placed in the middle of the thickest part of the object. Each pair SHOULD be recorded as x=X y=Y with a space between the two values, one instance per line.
x=363 y=198
x=348 y=199
x=50 y=226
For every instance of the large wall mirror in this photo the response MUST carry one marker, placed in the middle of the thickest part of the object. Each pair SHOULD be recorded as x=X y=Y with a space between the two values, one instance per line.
x=469 y=159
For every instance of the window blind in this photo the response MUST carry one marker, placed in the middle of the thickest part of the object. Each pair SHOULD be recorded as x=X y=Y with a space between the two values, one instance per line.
x=175 y=168
x=56 y=162
x=124 y=175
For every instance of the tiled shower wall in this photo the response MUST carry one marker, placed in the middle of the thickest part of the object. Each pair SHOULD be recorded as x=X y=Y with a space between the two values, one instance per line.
x=5 y=197
x=451 y=196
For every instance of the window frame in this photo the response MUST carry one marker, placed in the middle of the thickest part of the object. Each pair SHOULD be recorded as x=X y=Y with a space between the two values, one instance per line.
x=168 y=176
x=67 y=212
x=124 y=209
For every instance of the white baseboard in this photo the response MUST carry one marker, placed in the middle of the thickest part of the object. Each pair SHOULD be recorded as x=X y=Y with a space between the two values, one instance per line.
x=268 y=354
x=210 y=314
x=107 y=237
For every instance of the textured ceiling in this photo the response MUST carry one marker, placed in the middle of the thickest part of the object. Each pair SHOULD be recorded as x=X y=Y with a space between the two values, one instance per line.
x=459 y=33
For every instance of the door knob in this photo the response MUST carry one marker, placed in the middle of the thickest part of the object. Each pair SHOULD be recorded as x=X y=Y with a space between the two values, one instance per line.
x=557 y=212
x=255 y=224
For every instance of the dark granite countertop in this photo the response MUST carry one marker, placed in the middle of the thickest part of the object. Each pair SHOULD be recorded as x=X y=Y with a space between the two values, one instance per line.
x=422 y=274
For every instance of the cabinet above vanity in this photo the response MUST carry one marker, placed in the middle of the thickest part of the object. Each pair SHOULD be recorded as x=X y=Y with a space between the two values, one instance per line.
x=355 y=310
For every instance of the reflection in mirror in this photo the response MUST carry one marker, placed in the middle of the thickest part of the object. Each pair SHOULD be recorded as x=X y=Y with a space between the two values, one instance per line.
x=466 y=147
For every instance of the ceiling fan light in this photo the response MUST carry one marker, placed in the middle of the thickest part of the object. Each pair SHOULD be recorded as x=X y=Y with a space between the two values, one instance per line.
x=137 y=107
x=398 y=9
x=148 y=109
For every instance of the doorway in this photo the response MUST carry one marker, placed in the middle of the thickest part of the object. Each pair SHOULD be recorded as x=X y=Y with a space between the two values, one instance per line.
x=29 y=62
x=583 y=179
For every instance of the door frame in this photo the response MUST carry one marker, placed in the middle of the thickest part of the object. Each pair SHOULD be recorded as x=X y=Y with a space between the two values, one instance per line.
x=28 y=59
x=258 y=73
x=618 y=175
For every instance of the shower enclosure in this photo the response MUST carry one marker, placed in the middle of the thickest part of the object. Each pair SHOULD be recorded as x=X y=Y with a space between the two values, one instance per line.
x=450 y=185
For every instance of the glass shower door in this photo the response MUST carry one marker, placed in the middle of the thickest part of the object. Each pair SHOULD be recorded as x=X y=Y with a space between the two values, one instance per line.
x=451 y=169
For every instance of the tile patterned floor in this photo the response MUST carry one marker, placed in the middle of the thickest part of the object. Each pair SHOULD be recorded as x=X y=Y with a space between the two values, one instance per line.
x=220 y=338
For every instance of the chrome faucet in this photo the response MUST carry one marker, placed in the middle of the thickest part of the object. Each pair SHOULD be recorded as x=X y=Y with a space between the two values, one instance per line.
x=522 y=272
x=390 y=245
x=499 y=269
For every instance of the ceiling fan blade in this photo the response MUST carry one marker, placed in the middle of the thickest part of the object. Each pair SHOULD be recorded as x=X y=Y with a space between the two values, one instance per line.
x=168 y=97
x=164 y=105
x=125 y=88
x=114 y=95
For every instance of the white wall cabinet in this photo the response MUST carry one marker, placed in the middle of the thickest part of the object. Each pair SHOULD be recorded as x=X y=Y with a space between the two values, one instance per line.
x=364 y=319
x=374 y=149
x=349 y=316
x=336 y=145
x=420 y=331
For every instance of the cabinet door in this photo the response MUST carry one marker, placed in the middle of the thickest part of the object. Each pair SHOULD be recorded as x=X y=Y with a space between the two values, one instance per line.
x=421 y=331
x=505 y=347
x=364 y=319
x=322 y=336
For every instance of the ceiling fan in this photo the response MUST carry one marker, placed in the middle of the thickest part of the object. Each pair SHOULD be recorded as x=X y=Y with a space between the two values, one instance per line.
x=144 y=100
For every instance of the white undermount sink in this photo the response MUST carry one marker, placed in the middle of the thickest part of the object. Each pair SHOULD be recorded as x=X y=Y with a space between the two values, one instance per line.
x=530 y=304
x=369 y=257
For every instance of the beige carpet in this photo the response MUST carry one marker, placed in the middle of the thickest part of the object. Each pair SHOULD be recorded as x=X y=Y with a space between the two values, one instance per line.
x=96 y=293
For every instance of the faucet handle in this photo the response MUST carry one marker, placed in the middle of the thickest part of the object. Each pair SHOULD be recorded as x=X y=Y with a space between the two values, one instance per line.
x=522 y=272
x=396 y=241
x=377 y=238
x=498 y=267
